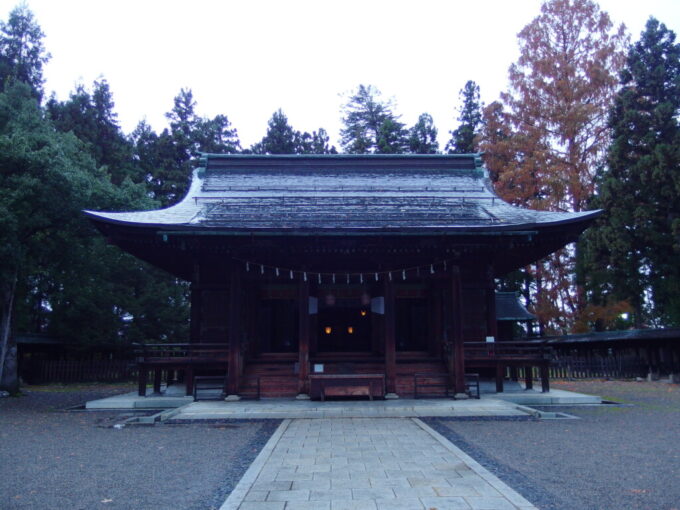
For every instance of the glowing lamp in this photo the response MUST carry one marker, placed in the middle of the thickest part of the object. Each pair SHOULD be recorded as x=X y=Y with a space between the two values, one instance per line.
x=350 y=330
x=362 y=313
x=328 y=330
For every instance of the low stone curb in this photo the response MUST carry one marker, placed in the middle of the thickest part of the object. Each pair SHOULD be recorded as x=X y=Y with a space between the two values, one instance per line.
x=245 y=483
x=511 y=495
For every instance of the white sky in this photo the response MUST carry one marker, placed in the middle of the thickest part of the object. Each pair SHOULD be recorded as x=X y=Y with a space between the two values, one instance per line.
x=246 y=59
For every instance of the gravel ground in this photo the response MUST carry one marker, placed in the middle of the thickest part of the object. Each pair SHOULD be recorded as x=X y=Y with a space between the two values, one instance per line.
x=51 y=459
x=612 y=458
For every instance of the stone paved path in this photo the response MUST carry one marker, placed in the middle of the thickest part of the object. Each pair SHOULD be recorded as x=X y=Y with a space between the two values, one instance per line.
x=367 y=464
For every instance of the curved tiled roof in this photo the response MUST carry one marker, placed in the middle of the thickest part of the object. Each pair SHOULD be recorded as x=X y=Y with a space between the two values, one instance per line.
x=342 y=193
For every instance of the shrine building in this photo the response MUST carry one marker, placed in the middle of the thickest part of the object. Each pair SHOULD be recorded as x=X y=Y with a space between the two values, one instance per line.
x=370 y=269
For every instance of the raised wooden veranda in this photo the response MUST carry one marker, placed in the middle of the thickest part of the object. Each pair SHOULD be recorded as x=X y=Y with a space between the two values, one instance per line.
x=278 y=374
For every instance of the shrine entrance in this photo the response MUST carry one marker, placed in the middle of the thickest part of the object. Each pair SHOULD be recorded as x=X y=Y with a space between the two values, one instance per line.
x=344 y=326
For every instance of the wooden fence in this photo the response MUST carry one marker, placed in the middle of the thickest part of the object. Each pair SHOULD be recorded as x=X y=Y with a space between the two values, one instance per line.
x=71 y=371
x=610 y=367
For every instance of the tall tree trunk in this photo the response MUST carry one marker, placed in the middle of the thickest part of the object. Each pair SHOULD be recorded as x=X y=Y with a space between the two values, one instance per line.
x=9 y=377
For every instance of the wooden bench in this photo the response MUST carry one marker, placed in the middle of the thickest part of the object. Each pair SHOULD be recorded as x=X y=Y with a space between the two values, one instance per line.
x=346 y=385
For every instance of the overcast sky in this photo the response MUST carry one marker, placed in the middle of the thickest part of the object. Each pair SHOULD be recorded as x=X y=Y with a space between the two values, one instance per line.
x=246 y=59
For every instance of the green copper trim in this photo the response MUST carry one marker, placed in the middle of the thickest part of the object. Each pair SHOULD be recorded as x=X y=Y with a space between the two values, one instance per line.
x=300 y=233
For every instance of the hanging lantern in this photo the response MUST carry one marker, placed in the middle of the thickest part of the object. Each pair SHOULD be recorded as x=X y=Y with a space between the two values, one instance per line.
x=291 y=274
x=248 y=266
x=363 y=313
x=277 y=271
x=403 y=274
x=431 y=268
x=328 y=330
x=350 y=330
x=304 y=276
x=261 y=269
x=376 y=277
x=347 y=278
x=319 y=275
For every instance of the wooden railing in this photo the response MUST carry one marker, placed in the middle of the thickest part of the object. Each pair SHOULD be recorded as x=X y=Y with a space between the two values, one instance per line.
x=158 y=352
x=508 y=350
x=160 y=358
x=511 y=355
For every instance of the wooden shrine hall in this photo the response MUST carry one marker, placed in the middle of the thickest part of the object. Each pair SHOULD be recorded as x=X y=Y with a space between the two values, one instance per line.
x=340 y=274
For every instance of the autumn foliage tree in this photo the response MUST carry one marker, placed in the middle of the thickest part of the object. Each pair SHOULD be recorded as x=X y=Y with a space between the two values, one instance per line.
x=548 y=134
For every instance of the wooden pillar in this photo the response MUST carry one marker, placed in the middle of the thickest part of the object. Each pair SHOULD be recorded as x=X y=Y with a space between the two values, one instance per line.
x=303 y=340
x=141 y=380
x=500 y=375
x=545 y=377
x=253 y=300
x=528 y=377
x=390 y=339
x=436 y=332
x=157 y=375
x=195 y=310
x=458 y=349
x=491 y=322
x=233 y=378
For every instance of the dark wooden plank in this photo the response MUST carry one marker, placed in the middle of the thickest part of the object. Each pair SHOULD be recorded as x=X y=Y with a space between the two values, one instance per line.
x=390 y=336
x=457 y=331
x=491 y=323
x=233 y=370
x=500 y=373
x=304 y=333
x=528 y=377
x=141 y=380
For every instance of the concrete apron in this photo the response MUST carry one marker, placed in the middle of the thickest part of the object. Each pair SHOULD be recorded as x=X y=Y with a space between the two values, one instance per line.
x=367 y=464
x=401 y=408
x=502 y=404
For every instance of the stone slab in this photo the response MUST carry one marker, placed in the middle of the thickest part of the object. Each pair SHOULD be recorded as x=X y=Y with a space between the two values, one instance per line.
x=401 y=463
x=552 y=397
x=133 y=401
